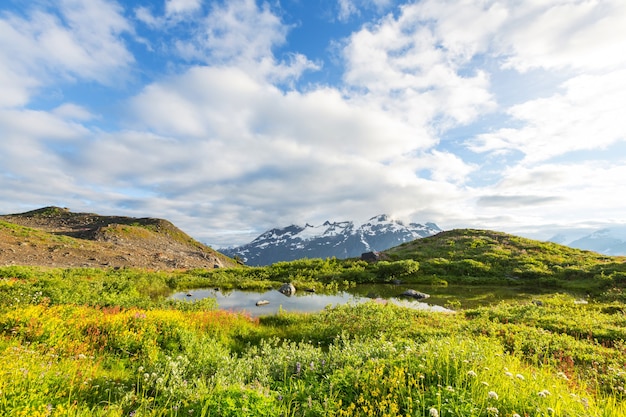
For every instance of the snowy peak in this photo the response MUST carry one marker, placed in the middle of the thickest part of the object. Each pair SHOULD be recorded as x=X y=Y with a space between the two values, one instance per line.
x=608 y=241
x=331 y=239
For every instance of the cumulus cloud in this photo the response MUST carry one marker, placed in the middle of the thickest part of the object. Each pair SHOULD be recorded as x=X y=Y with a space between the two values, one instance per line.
x=586 y=115
x=400 y=63
x=39 y=48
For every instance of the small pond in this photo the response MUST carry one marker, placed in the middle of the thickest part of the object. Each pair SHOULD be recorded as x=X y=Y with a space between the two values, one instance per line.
x=302 y=301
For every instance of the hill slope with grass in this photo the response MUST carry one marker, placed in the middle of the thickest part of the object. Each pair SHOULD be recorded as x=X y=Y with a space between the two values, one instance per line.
x=469 y=254
x=56 y=237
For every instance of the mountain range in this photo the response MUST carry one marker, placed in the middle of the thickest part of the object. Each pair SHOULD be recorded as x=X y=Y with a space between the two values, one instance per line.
x=345 y=239
x=607 y=241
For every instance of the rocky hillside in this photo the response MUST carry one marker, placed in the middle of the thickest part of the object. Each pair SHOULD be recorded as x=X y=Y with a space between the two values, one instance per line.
x=56 y=237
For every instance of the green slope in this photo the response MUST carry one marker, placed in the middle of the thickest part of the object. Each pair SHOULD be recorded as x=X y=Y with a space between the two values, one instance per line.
x=468 y=255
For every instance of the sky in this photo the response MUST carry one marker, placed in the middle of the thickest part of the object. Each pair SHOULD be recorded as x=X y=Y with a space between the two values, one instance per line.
x=229 y=118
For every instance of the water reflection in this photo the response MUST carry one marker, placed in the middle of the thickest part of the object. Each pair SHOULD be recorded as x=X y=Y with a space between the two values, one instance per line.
x=303 y=302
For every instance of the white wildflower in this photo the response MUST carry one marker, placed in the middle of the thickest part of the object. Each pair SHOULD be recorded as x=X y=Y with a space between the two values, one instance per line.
x=433 y=412
x=492 y=395
x=543 y=393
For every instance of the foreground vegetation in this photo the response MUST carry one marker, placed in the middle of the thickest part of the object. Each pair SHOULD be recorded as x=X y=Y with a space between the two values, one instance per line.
x=89 y=342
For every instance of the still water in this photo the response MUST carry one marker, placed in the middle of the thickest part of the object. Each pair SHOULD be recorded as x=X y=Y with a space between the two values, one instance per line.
x=440 y=297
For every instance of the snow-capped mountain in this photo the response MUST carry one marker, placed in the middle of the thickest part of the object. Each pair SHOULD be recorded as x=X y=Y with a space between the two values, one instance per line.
x=608 y=241
x=339 y=239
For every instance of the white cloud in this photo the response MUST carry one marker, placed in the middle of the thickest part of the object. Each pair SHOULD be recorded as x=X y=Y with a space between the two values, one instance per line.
x=85 y=45
x=73 y=111
x=400 y=64
x=227 y=105
x=576 y=34
x=348 y=8
x=587 y=115
x=173 y=7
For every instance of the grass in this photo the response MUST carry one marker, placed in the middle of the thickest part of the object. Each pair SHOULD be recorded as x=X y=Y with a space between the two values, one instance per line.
x=89 y=342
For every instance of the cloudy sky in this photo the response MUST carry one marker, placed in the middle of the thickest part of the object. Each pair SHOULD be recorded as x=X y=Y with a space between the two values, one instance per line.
x=232 y=117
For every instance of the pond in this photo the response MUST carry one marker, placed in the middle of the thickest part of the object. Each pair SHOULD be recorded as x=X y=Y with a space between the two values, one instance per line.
x=306 y=302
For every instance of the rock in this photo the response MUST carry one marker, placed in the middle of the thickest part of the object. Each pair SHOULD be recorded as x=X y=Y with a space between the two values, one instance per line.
x=415 y=294
x=262 y=302
x=287 y=289
x=310 y=290
x=189 y=294
x=370 y=256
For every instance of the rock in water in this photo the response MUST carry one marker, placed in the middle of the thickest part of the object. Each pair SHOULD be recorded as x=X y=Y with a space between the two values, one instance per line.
x=288 y=289
x=262 y=303
x=415 y=294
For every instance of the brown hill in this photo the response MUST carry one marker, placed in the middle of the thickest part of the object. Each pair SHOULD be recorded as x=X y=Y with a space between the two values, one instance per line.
x=56 y=237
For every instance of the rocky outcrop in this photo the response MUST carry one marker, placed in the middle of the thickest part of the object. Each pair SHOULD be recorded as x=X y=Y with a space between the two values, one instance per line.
x=287 y=289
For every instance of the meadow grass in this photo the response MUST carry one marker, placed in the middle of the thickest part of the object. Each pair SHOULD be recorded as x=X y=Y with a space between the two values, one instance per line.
x=108 y=343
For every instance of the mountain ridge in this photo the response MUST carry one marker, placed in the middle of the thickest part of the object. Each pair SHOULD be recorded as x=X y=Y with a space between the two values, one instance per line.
x=56 y=237
x=342 y=239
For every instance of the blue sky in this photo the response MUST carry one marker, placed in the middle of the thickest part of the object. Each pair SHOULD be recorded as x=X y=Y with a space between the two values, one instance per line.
x=232 y=117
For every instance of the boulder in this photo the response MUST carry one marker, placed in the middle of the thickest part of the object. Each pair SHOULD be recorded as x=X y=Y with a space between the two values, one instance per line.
x=415 y=294
x=370 y=256
x=262 y=302
x=288 y=289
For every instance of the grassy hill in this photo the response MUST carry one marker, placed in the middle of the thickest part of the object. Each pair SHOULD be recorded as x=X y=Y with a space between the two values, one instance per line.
x=468 y=255
x=56 y=237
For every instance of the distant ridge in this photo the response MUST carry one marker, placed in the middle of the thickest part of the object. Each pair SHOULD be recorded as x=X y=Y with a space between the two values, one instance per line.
x=609 y=240
x=343 y=239
x=56 y=237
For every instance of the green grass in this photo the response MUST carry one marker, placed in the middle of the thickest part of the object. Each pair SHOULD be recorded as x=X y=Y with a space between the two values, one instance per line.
x=89 y=342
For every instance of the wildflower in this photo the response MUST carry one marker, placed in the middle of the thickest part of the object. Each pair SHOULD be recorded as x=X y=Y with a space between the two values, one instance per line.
x=562 y=375
x=509 y=374
x=492 y=395
x=485 y=383
x=449 y=388
x=550 y=410
x=516 y=415
x=519 y=376
x=471 y=373
x=298 y=368
x=312 y=366
x=433 y=412
x=492 y=411
x=543 y=393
